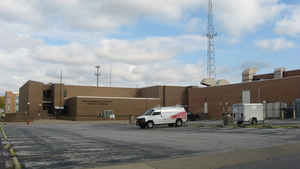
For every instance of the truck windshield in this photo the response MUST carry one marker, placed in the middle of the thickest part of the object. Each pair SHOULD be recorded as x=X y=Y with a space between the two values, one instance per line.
x=148 y=112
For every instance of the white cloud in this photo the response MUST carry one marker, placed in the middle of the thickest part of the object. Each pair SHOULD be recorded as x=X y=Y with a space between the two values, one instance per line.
x=107 y=16
x=135 y=61
x=85 y=25
x=98 y=16
x=195 y=25
x=21 y=11
x=147 y=50
x=150 y=49
x=239 y=17
x=290 y=24
x=275 y=44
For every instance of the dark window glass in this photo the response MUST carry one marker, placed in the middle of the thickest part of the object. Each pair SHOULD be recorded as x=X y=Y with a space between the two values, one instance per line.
x=65 y=93
x=156 y=113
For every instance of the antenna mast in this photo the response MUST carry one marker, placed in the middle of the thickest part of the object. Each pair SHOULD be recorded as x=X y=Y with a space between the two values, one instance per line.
x=110 y=74
x=61 y=89
x=211 y=34
x=97 y=74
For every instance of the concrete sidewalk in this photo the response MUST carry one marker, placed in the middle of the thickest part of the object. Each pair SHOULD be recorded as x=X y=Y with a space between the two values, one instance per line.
x=216 y=160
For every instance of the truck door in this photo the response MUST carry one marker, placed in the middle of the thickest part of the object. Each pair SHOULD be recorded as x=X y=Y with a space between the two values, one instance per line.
x=157 y=117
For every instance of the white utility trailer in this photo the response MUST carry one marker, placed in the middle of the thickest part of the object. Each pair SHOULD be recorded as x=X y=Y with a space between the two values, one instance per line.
x=252 y=113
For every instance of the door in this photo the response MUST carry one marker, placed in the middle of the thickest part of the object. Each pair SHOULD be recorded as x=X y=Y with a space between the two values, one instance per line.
x=205 y=108
x=246 y=97
x=157 y=117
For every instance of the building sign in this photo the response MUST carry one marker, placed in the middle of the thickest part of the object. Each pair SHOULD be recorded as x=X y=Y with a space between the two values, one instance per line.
x=97 y=102
x=59 y=108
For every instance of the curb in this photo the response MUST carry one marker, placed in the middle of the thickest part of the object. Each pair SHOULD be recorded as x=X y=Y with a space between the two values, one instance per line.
x=9 y=148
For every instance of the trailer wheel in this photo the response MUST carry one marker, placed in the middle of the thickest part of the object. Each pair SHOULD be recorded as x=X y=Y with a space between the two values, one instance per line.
x=178 y=123
x=150 y=124
x=254 y=121
x=240 y=123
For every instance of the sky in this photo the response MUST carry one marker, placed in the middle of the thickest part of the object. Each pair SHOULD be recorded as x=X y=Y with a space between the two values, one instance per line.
x=142 y=42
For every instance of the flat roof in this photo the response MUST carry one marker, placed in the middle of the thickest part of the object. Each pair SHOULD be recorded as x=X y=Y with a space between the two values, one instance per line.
x=133 y=98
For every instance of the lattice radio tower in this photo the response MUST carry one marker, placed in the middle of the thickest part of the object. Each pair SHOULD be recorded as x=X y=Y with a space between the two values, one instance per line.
x=211 y=34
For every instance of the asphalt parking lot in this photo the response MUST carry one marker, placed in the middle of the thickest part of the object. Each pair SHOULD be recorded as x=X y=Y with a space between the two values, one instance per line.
x=87 y=145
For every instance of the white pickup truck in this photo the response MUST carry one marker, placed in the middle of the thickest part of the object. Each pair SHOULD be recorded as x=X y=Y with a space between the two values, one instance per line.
x=162 y=115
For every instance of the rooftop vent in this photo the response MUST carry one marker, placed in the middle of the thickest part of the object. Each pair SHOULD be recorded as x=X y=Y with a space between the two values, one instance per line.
x=278 y=73
x=209 y=82
x=213 y=82
x=248 y=74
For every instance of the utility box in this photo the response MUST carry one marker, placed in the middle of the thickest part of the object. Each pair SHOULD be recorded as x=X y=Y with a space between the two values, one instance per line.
x=252 y=113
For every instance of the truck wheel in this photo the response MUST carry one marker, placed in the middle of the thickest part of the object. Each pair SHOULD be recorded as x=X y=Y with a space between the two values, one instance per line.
x=178 y=123
x=150 y=124
x=254 y=121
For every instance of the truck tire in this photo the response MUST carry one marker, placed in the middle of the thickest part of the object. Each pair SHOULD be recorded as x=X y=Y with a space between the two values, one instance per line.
x=150 y=125
x=254 y=121
x=178 y=123
x=240 y=123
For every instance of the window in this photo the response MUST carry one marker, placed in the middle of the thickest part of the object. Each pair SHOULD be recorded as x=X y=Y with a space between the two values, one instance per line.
x=156 y=113
x=47 y=94
x=108 y=114
x=246 y=97
x=17 y=104
x=65 y=93
x=205 y=108
x=8 y=101
x=148 y=112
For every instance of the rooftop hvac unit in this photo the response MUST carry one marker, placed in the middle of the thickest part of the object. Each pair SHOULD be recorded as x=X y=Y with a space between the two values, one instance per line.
x=248 y=74
x=209 y=82
x=278 y=73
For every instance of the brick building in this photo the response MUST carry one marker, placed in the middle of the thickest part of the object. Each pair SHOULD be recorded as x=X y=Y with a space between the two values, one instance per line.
x=38 y=100
x=11 y=101
x=280 y=86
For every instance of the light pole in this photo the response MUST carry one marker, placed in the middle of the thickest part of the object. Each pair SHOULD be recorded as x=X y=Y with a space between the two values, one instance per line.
x=28 y=104
x=40 y=109
x=28 y=114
